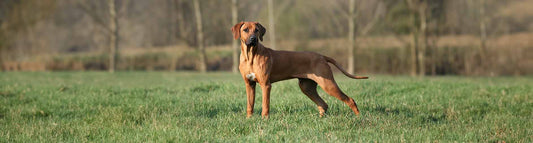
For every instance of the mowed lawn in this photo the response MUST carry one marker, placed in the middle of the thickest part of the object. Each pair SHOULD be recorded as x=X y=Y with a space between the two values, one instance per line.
x=193 y=107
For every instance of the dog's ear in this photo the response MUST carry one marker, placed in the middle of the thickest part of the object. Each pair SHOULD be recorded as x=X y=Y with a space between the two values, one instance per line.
x=236 y=30
x=262 y=30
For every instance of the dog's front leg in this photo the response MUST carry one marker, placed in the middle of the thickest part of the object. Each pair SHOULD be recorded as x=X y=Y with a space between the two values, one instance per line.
x=250 y=94
x=266 y=99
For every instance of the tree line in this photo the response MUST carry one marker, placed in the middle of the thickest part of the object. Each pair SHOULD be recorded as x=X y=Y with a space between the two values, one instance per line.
x=37 y=30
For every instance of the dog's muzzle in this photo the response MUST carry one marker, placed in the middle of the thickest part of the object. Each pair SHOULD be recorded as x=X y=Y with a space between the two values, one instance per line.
x=252 y=40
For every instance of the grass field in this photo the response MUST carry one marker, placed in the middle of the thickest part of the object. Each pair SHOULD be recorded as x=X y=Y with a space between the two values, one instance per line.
x=190 y=107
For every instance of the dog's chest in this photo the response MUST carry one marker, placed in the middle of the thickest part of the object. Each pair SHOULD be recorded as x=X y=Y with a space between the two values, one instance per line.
x=251 y=76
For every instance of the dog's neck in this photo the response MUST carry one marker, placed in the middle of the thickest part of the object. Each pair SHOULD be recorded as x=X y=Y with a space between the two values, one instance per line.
x=250 y=51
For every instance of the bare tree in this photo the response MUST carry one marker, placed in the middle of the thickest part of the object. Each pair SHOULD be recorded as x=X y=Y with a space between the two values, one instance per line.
x=363 y=28
x=435 y=14
x=483 y=31
x=351 y=36
x=172 y=29
x=19 y=18
x=271 y=25
x=200 y=38
x=111 y=28
x=422 y=8
x=235 y=46
x=113 y=39
x=418 y=34
x=185 y=34
x=5 y=8
x=379 y=11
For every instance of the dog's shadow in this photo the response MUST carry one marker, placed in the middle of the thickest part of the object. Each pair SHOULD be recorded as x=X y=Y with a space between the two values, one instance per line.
x=427 y=117
x=214 y=112
x=391 y=111
x=381 y=110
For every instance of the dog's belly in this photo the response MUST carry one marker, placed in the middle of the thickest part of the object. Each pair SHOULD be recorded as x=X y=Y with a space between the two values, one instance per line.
x=276 y=79
x=288 y=65
x=286 y=74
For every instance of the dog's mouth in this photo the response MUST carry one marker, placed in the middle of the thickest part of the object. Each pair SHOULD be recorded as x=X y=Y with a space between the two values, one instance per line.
x=251 y=42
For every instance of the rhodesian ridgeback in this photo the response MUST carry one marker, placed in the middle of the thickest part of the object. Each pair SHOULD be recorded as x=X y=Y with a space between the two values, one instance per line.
x=259 y=64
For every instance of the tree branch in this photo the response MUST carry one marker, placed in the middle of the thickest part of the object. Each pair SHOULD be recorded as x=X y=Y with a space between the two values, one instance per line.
x=377 y=13
x=282 y=8
x=93 y=15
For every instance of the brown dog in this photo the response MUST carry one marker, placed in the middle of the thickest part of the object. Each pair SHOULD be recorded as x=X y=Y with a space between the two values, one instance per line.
x=259 y=64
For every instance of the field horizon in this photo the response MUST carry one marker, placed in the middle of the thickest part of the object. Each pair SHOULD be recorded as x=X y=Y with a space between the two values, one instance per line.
x=195 y=107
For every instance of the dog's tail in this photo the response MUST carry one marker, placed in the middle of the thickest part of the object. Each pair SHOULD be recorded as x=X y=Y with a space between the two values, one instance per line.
x=332 y=61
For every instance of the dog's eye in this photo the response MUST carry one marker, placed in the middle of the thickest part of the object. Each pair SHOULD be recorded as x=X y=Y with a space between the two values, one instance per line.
x=256 y=30
x=245 y=30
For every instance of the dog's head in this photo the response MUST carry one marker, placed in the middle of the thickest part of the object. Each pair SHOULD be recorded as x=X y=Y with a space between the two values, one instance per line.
x=249 y=32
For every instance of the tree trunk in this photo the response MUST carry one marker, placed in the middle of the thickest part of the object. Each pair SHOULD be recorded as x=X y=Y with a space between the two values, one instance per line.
x=423 y=39
x=180 y=31
x=271 y=25
x=414 y=59
x=483 y=33
x=3 y=53
x=235 y=46
x=3 y=47
x=466 y=62
x=172 y=6
x=434 y=50
x=351 y=37
x=113 y=37
x=416 y=55
x=432 y=40
x=200 y=38
x=183 y=31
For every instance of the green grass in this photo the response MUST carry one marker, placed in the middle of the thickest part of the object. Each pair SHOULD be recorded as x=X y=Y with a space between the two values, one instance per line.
x=190 y=107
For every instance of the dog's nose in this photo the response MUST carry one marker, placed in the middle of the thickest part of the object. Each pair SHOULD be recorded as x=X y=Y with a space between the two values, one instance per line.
x=252 y=40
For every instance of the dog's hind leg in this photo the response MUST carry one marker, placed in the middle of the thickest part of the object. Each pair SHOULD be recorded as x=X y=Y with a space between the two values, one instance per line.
x=333 y=89
x=308 y=87
x=324 y=78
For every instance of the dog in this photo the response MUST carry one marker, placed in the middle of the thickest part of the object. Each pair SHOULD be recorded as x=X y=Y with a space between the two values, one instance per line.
x=259 y=64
